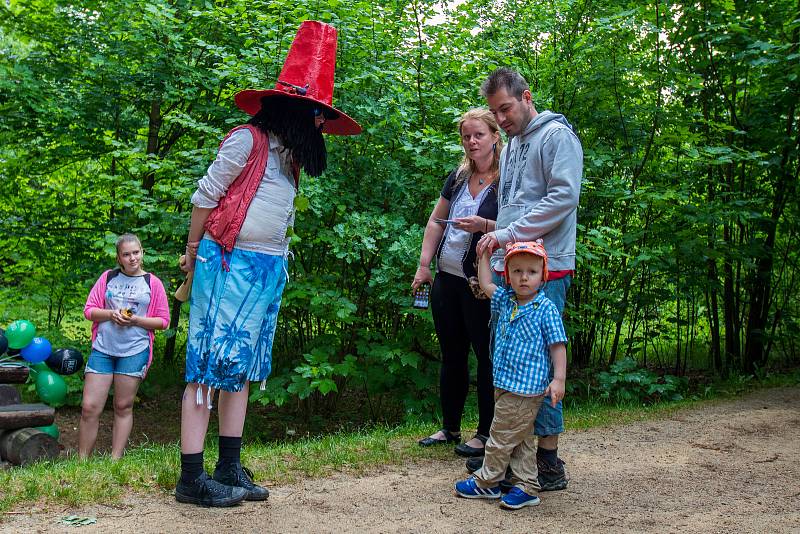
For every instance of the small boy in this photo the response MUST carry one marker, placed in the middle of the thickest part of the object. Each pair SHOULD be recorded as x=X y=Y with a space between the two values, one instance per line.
x=528 y=335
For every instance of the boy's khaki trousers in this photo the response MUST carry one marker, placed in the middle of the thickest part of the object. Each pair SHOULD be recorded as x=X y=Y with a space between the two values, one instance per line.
x=511 y=443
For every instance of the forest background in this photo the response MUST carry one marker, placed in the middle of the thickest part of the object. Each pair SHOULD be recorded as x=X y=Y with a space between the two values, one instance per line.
x=110 y=111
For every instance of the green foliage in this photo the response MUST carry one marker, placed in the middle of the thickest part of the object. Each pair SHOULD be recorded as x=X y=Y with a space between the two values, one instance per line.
x=626 y=382
x=687 y=254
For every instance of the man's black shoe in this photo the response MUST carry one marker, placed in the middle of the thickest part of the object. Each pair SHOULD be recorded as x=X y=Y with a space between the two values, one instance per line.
x=552 y=477
x=206 y=491
x=233 y=474
x=473 y=464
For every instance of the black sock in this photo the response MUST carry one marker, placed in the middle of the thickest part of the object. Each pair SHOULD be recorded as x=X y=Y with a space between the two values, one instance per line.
x=548 y=455
x=230 y=449
x=191 y=466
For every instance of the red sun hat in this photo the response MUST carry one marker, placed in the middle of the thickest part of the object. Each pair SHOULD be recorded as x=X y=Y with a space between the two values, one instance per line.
x=308 y=75
x=535 y=248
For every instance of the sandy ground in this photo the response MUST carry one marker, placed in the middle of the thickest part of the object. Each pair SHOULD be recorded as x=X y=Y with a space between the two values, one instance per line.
x=730 y=467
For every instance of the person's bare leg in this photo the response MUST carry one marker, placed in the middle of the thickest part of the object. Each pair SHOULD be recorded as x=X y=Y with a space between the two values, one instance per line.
x=194 y=420
x=549 y=442
x=232 y=411
x=125 y=388
x=95 y=393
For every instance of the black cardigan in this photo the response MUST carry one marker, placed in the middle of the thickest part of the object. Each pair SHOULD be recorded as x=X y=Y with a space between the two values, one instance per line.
x=487 y=210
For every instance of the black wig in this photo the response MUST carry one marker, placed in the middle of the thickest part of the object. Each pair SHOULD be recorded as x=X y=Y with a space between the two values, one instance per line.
x=292 y=120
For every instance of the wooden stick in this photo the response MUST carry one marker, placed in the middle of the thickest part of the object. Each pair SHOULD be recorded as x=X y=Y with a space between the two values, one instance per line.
x=185 y=289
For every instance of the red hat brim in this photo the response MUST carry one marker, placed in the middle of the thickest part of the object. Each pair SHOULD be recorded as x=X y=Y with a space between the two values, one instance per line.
x=249 y=101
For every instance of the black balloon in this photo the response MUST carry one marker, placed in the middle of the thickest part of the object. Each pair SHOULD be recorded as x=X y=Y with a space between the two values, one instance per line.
x=3 y=344
x=65 y=361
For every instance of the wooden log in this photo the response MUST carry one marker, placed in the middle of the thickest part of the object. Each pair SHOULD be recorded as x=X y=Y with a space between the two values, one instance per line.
x=13 y=373
x=25 y=415
x=8 y=395
x=27 y=445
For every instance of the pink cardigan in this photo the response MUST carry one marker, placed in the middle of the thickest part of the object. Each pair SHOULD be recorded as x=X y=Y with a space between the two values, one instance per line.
x=158 y=306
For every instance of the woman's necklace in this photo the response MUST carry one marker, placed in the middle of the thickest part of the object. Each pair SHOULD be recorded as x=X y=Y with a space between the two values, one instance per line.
x=481 y=181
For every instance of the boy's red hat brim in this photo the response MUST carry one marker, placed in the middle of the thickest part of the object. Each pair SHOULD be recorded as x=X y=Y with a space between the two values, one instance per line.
x=249 y=101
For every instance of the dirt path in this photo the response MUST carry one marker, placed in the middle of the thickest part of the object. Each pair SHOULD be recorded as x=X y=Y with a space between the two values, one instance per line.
x=731 y=467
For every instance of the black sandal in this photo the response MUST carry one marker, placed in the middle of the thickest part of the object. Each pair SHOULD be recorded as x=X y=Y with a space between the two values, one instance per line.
x=470 y=452
x=449 y=437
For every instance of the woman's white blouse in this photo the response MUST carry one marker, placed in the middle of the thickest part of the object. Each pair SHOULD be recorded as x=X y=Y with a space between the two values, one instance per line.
x=456 y=242
x=271 y=211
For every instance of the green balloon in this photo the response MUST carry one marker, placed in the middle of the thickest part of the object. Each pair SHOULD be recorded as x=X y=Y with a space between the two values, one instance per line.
x=50 y=429
x=51 y=388
x=41 y=366
x=20 y=333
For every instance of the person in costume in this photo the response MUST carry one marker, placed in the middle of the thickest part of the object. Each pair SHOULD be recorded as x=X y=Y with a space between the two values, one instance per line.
x=460 y=310
x=238 y=246
x=125 y=306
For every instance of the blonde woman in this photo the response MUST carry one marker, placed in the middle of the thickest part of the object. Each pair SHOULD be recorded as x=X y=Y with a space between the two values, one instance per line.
x=467 y=208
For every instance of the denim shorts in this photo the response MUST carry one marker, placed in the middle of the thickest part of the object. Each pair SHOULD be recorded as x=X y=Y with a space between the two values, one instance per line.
x=550 y=420
x=103 y=364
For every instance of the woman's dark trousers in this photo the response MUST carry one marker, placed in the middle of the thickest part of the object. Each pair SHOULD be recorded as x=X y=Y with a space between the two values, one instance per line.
x=462 y=321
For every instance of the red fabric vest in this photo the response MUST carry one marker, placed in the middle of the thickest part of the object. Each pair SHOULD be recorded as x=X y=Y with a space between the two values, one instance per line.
x=225 y=221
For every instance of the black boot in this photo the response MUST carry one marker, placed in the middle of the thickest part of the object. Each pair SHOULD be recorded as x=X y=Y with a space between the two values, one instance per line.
x=207 y=492
x=552 y=477
x=234 y=474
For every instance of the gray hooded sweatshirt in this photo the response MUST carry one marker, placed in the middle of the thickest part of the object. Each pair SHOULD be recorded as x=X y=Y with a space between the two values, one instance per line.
x=540 y=184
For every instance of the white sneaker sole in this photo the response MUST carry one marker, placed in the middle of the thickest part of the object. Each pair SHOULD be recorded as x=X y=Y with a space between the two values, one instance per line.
x=532 y=502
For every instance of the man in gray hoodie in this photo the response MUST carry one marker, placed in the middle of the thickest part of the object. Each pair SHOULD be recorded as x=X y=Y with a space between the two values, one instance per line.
x=540 y=184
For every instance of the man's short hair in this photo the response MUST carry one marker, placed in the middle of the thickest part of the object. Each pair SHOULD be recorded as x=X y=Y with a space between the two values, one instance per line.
x=505 y=78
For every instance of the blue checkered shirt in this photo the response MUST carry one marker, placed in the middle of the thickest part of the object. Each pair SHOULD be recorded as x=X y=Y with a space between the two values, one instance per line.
x=521 y=362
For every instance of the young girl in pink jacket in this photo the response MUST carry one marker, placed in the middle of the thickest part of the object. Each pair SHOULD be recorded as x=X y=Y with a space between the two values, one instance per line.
x=125 y=306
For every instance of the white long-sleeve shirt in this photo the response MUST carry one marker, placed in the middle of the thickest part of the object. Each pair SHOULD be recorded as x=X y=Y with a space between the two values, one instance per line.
x=271 y=211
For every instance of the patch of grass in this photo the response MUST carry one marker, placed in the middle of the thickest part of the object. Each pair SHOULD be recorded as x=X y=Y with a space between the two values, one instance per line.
x=154 y=466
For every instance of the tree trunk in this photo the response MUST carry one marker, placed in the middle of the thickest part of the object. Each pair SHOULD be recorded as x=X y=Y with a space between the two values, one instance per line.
x=174 y=319
x=8 y=395
x=13 y=373
x=153 y=128
x=28 y=445
x=24 y=415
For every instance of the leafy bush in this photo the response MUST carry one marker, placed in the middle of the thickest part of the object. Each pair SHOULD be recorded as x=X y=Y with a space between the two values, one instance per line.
x=626 y=382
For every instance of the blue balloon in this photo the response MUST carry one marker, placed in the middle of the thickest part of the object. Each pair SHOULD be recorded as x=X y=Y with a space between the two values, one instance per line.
x=38 y=350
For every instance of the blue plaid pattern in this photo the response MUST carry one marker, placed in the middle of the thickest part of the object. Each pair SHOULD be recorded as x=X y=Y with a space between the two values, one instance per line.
x=521 y=361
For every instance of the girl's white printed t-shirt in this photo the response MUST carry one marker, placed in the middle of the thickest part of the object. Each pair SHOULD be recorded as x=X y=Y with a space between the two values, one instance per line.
x=124 y=292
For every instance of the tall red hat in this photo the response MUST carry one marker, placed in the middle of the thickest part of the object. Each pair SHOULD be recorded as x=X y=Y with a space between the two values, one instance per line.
x=307 y=74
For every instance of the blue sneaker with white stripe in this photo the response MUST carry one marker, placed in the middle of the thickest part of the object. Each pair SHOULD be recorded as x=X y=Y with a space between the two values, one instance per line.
x=470 y=490
x=516 y=499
